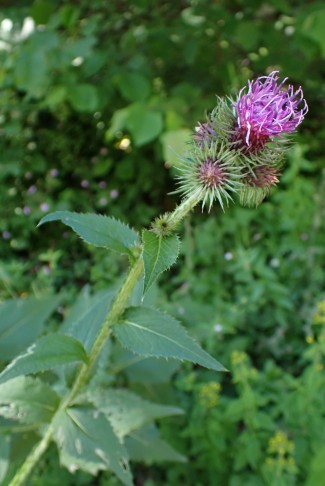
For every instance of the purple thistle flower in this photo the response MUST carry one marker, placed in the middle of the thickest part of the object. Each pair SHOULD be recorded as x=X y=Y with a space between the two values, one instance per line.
x=203 y=134
x=263 y=176
x=267 y=110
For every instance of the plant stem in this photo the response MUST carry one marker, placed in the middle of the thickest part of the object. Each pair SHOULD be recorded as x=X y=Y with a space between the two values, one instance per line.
x=115 y=313
x=24 y=470
x=167 y=224
x=113 y=316
x=184 y=208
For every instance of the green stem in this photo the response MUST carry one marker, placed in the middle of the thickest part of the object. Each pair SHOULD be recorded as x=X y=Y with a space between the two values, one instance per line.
x=166 y=224
x=113 y=316
x=184 y=208
x=24 y=470
x=115 y=313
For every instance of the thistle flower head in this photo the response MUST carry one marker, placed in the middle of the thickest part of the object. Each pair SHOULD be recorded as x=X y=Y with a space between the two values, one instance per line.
x=267 y=109
x=262 y=176
x=213 y=170
x=240 y=147
x=257 y=184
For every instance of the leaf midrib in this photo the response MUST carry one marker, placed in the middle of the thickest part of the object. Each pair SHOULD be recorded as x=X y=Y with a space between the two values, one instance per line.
x=84 y=225
x=163 y=336
x=155 y=261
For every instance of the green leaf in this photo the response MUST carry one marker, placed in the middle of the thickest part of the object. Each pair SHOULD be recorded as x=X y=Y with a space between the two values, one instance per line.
x=28 y=400
x=86 y=320
x=117 y=123
x=32 y=69
x=133 y=86
x=149 y=332
x=83 y=97
x=97 y=230
x=313 y=27
x=41 y=11
x=145 y=445
x=139 y=369
x=87 y=441
x=144 y=124
x=127 y=411
x=55 y=96
x=175 y=144
x=46 y=353
x=158 y=255
x=4 y=455
x=21 y=321
x=32 y=73
x=316 y=470
x=248 y=34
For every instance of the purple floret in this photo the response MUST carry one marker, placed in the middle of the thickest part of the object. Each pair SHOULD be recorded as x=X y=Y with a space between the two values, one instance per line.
x=267 y=110
x=204 y=133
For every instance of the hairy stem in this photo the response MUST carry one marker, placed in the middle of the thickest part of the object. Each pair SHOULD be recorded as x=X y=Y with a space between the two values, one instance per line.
x=24 y=470
x=184 y=208
x=113 y=316
x=115 y=313
x=167 y=224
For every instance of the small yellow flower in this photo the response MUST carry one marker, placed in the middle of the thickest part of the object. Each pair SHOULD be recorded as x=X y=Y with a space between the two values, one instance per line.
x=319 y=317
x=309 y=339
x=238 y=357
x=280 y=453
x=209 y=394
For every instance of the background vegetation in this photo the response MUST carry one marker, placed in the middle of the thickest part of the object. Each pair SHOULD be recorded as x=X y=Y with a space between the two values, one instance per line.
x=96 y=101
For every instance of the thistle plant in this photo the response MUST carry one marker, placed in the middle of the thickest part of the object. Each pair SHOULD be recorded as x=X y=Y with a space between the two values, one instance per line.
x=237 y=153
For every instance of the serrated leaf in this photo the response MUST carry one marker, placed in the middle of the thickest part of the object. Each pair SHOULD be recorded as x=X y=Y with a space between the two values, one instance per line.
x=46 y=353
x=97 y=230
x=86 y=320
x=87 y=441
x=127 y=411
x=149 y=332
x=4 y=455
x=21 y=321
x=158 y=255
x=28 y=400
x=145 y=445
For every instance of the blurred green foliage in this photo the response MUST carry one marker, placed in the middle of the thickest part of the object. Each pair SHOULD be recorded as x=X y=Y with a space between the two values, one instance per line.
x=97 y=99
